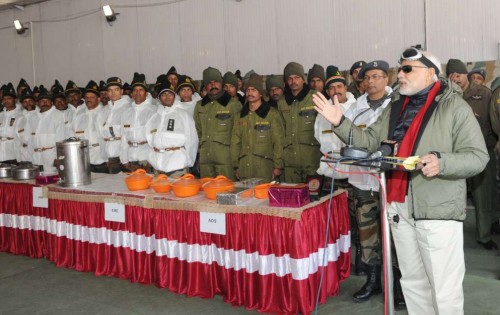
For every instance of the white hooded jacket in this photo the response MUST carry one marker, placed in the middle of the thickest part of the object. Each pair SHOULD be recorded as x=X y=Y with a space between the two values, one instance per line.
x=134 y=146
x=189 y=106
x=84 y=126
x=365 y=182
x=8 y=121
x=171 y=133
x=110 y=127
x=23 y=154
x=330 y=142
x=45 y=130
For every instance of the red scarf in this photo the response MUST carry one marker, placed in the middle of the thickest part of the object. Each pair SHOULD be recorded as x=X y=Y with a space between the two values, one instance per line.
x=397 y=183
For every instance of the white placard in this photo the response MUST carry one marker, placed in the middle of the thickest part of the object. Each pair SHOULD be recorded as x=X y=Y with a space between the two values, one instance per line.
x=38 y=200
x=213 y=223
x=114 y=212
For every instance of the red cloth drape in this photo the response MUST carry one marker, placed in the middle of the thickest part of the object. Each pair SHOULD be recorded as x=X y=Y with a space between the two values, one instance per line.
x=397 y=183
x=166 y=248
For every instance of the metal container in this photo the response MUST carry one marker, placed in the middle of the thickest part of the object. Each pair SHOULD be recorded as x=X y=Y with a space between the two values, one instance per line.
x=73 y=162
x=25 y=172
x=6 y=170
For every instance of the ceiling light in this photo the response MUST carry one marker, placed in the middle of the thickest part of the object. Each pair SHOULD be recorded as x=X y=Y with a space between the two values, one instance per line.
x=19 y=27
x=109 y=13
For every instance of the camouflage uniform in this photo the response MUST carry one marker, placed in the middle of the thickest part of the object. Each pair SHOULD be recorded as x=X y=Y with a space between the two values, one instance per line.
x=257 y=142
x=214 y=121
x=368 y=220
x=301 y=149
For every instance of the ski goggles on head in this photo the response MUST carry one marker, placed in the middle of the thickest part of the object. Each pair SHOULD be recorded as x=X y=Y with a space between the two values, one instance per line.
x=413 y=54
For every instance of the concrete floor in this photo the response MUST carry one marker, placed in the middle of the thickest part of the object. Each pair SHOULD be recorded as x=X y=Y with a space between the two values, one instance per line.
x=36 y=286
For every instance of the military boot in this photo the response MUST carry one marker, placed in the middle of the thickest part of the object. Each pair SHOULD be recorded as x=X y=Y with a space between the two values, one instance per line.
x=399 y=299
x=372 y=286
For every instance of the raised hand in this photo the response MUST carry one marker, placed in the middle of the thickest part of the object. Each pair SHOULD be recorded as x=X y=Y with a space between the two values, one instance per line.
x=332 y=113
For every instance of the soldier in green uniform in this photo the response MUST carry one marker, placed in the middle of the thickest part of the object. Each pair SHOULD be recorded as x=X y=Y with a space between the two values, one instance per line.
x=483 y=185
x=214 y=117
x=316 y=78
x=301 y=149
x=356 y=87
x=274 y=88
x=257 y=141
x=477 y=76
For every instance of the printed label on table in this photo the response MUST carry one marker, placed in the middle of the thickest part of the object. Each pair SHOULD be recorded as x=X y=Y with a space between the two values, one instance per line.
x=38 y=200
x=114 y=212
x=213 y=223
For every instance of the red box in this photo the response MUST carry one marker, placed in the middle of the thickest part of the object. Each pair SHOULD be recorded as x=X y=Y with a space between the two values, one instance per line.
x=46 y=179
x=289 y=196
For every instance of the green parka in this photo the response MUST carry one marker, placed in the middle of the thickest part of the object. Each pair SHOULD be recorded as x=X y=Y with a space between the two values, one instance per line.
x=257 y=142
x=454 y=132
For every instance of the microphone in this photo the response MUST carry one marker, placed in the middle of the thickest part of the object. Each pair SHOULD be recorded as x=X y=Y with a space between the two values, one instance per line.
x=384 y=150
x=351 y=151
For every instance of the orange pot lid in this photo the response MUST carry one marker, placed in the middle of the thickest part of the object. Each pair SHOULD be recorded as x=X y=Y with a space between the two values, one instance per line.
x=219 y=181
x=138 y=175
x=186 y=180
x=161 y=180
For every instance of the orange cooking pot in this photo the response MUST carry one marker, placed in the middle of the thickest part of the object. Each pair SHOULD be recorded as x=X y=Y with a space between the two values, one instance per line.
x=205 y=180
x=186 y=186
x=138 y=180
x=219 y=184
x=161 y=184
x=261 y=191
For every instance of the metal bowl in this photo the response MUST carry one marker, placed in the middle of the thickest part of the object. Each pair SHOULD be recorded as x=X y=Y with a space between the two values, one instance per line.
x=6 y=170
x=25 y=172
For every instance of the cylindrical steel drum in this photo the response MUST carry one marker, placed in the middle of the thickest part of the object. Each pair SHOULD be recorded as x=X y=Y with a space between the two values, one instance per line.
x=73 y=162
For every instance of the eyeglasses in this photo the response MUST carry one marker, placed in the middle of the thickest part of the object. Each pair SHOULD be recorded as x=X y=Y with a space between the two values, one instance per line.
x=375 y=77
x=409 y=68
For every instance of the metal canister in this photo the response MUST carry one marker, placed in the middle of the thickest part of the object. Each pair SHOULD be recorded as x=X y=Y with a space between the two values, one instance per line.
x=73 y=162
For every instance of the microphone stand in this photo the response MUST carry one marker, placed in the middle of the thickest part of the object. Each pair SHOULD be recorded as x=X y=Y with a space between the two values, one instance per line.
x=380 y=168
x=386 y=233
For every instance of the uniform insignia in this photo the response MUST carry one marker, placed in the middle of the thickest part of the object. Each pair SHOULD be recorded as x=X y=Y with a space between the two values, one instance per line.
x=477 y=97
x=80 y=131
x=262 y=127
x=33 y=133
x=362 y=126
x=126 y=126
x=153 y=130
x=20 y=130
x=223 y=116
x=307 y=113
x=327 y=131
x=12 y=120
x=170 y=125
x=498 y=100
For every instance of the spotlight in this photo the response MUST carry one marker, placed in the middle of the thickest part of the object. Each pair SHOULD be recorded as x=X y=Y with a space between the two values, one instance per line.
x=19 y=27
x=109 y=13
